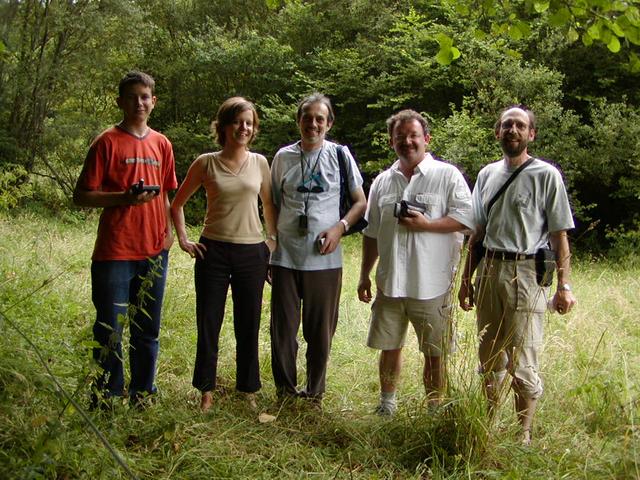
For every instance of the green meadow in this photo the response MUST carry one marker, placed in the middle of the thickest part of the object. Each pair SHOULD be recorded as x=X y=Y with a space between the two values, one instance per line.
x=586 y=426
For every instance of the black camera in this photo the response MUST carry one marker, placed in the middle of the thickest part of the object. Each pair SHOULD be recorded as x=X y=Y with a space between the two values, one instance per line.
x=401 y=208
x=140 y=187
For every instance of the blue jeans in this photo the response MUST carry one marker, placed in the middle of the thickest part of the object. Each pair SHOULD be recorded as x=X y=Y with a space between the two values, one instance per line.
x=115 y=286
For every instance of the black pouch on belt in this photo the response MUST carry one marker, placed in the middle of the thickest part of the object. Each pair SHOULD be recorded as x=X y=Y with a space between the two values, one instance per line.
x=545 y=266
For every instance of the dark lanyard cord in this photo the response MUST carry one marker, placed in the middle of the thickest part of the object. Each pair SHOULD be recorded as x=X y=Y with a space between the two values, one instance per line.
x=315 y=167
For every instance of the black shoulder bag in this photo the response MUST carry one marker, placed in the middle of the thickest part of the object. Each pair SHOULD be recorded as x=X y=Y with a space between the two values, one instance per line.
x=345 y=197
x=478 y=248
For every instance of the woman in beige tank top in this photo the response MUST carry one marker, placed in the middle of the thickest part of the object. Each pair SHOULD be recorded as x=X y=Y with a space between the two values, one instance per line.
x=232 y=250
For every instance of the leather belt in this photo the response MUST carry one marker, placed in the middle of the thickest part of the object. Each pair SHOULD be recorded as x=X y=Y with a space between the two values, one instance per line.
x=495 y=254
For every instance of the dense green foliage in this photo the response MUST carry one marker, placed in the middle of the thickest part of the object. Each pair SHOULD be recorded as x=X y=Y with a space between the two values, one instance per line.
x=459 y=62
x=586 y=426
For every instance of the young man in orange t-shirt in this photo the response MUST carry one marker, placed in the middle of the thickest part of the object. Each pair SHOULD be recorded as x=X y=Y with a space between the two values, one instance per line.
x=128 y=171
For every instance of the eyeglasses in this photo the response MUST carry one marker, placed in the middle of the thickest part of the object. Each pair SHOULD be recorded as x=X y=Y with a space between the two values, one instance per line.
x=507 y=124
x=412 y=137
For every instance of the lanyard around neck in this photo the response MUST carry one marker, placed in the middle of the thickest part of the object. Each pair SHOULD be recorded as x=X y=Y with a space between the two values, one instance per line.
x=312 y=170
x=303 y=161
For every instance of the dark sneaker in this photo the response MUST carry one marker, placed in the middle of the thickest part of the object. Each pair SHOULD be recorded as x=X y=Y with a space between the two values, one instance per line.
x=142 y=401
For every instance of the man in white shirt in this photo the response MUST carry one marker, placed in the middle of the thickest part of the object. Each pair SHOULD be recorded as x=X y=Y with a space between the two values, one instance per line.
x=415 y=211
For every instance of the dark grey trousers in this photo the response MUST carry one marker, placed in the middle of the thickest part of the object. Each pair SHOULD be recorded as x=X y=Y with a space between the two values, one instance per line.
x=313 y=297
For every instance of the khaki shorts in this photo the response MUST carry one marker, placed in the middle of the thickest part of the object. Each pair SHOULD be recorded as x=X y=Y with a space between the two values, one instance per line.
x=511 y=306
x=431 y=320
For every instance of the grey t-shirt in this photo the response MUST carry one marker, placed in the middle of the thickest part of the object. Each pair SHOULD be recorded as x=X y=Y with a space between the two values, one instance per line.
x=321 y=172
x=535 y=204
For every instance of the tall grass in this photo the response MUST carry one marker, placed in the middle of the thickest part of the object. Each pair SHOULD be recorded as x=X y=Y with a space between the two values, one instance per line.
x=586 y=426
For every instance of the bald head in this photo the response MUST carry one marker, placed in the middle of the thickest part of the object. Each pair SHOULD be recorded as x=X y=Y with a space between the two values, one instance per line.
x=531 y=118
x=514 y=130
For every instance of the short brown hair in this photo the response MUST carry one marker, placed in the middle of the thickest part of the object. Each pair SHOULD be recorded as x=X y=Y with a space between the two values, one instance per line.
x=228 y=112
x=406 y=116
x=133 y=77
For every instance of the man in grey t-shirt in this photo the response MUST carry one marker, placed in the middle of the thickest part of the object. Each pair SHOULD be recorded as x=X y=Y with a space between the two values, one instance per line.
x=307 y=263
x=531 y=213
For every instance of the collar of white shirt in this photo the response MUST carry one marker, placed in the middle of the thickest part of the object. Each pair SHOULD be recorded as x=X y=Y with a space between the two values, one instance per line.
x=422 y=167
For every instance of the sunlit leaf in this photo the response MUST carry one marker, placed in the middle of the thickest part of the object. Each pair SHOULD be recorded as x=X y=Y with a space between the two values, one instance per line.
x=560 y=17
x=525 y=28
x=623 y=22
x=634 y=63
x=605 y=34
x=614 y=44
x=572 y=35
x=513 y=53
x=633 y=35
x=541 y=6
x=515 y=33
x=479 y=34
x=447 y=53
x=499 y=28
x=488 y=7
x=633 y=15
x=594 y=32
x=619 y=5
x=444 y=56
x=587 y=40
x=461 y=8
x=444 y=41
x=615 y=28
x=578 y=11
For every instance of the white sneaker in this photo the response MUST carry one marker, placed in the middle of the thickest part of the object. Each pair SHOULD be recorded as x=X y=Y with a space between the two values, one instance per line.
x=385 y=410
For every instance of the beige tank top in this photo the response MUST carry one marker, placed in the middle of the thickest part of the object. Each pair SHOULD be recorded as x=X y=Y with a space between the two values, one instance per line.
x=232 y=199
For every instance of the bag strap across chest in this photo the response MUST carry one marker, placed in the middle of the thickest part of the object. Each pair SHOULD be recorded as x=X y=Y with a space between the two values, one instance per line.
x=506 y=184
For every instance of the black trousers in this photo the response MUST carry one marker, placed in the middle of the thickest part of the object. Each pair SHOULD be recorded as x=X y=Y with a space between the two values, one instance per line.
x=314 y=297
x=244 y=268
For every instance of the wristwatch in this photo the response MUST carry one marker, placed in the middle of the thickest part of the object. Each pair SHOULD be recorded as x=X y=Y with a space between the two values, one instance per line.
x=565 y=286
x=345 y=223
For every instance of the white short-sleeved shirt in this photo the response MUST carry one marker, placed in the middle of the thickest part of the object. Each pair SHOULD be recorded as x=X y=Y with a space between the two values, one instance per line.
x=535 y=204
x=321 y=169
x=418 y=265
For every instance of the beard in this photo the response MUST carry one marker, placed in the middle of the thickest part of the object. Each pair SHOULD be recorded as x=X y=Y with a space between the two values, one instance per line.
x=513 y=149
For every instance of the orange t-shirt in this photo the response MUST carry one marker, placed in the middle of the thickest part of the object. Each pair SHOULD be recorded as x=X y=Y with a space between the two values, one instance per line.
x=117 y=160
